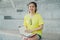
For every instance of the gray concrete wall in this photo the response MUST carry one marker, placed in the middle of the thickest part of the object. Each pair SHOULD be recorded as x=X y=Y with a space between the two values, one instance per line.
x=49 y=10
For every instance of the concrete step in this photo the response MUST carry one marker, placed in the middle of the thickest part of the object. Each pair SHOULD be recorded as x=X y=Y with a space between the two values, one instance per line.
x=14 y=35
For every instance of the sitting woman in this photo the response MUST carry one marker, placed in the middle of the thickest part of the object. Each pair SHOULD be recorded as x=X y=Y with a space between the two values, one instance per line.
x=33 y=22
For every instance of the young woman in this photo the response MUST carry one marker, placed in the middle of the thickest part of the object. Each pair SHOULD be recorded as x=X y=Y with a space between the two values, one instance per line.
x=33 y=22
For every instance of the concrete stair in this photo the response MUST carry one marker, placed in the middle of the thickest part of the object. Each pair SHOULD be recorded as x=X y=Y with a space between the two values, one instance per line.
x=14 y=35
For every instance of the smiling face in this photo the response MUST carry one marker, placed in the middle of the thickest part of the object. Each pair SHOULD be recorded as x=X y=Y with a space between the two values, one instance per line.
x=31 y=8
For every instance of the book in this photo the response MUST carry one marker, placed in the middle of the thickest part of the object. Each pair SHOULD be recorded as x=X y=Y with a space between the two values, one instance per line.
x=23 y=33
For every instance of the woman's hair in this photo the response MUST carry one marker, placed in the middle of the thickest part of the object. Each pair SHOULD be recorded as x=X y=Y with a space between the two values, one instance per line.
x=34 y=4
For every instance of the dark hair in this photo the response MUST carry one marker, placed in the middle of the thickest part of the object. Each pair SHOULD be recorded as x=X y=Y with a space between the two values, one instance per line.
x=34 y=4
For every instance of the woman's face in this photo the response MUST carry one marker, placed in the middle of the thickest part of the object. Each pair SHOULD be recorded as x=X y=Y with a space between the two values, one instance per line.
x=31 y=8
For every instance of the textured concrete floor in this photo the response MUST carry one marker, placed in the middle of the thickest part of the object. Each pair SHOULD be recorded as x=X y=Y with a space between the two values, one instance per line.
x=51 y=36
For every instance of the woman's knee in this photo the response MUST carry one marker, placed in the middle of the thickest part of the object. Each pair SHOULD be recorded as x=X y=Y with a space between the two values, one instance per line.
x=25 y=38
x=33 y=38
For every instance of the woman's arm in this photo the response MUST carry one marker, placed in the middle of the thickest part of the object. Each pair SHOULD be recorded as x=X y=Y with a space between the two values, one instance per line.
x=39 y=28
